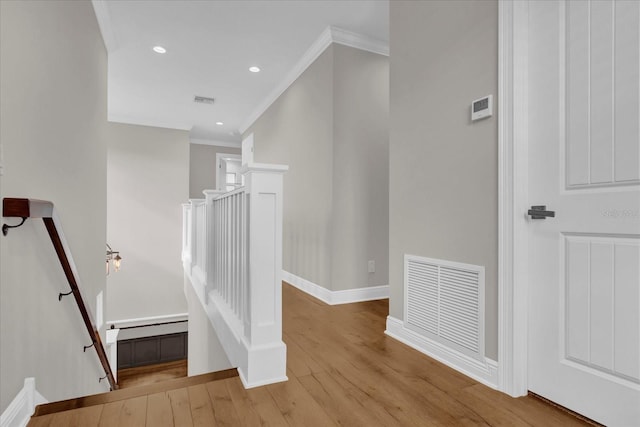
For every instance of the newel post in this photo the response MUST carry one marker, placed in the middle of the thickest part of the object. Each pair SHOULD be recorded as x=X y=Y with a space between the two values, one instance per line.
x=263 y=323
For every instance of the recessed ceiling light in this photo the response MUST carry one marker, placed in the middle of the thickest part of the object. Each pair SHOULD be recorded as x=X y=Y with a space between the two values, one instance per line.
x=254 y=69
x=219 y=123
x=159 y=49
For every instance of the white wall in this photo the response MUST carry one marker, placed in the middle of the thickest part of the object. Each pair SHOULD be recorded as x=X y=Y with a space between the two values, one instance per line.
x=53 y=83
x=202 y=167
x=206 y=354
x=443 y=168
x=331 y=127
x=148 y=180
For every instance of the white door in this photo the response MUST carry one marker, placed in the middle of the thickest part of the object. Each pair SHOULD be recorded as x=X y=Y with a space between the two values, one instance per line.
x=584 y=164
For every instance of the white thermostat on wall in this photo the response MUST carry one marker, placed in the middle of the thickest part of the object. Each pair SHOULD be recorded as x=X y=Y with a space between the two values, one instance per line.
x=482 y=108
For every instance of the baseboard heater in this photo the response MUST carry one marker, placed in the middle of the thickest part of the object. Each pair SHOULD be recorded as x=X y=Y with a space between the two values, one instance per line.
x=444 y=301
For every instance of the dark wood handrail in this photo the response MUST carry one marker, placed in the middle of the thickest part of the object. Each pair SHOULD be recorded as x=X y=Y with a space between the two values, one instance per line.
x=27 y=208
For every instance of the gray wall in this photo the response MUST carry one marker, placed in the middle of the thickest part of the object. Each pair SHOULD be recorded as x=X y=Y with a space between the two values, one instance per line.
x=148 y=180
x=443 y=168
x=331 y=127
x=202 y=167
x=297 y=130
x=53 y=81
x=360 y=168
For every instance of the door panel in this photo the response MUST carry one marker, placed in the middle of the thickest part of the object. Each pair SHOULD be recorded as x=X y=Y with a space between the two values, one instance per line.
x=602 y=61
x=584 y=163
x=601 y=286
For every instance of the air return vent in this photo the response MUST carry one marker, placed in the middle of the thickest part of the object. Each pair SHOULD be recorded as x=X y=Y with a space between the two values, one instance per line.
x=203 y=100
x=444 y=301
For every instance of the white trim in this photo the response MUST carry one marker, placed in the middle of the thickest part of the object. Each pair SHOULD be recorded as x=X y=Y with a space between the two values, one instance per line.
x=106 y=26
x=328 y=36
x=111 y=342
x=22 y=406
x=221 y=182
x=264 y=362
x=216 y=143
x=512 y=196
x=336 y=297
x=147 y=321
x=485 y=372
x=358 y=41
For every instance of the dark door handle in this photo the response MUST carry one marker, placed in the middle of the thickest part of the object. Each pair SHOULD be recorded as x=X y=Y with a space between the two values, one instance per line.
x=540 y=212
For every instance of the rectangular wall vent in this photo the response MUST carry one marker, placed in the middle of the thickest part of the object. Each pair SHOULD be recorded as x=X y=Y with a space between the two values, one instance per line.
x=203 y=100
x=444 y=301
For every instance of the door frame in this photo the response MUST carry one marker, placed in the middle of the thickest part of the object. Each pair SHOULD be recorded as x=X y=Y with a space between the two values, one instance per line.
x=219 y=158
x=513 y=230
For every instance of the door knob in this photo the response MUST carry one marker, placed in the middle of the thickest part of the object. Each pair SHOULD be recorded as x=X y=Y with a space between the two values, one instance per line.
x=540 y=212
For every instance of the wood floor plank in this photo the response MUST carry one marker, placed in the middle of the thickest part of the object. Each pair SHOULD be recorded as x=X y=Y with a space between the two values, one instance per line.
x=247 y=415
x=340 y=406
x=494 y=413
x=110 y=416
x=83 y=417
x=265 y=407
x=297 y=406
x=150 y=374
x=180 y=407
x=534 y=411
x=134 y=412
x=223 y=409
x=298 y=361
x=201 y=409
x=42 y=421
x=159 y=413
x=128 y=393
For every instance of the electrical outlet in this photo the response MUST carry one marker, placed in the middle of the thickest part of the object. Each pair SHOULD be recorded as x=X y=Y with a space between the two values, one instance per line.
x=372 y=266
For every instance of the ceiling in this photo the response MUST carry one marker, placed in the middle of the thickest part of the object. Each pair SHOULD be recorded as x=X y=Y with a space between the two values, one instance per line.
x=210 y=47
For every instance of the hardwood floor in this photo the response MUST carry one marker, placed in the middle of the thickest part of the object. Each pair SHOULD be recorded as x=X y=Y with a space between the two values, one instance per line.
x=143 y=375
x=342 y=370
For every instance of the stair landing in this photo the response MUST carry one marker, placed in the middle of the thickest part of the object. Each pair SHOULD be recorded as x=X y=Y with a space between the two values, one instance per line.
x=134 y=406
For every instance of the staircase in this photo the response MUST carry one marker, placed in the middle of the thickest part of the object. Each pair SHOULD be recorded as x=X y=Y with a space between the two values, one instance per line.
x=181 y=402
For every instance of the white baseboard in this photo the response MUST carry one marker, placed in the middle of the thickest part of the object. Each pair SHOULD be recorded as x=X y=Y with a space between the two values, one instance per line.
x=336 y=297
x=21 y=408
x=143 y=321
x=485 y=372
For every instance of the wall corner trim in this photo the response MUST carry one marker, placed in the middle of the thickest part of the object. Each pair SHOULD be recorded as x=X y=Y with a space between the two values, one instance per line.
x=106 y=26
x=484 y=372
x=328 y=36
x=22 y=406
x=336 y=297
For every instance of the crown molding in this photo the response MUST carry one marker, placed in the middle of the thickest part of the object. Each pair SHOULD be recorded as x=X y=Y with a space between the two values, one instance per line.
x=216 y=143
x=328 y=36
x=101 y=10
x=358 y=41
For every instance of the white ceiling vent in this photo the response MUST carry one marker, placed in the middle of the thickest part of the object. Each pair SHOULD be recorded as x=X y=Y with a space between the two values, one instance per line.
x=203 y=100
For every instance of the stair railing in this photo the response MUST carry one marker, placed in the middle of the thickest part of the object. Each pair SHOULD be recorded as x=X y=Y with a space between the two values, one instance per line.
x=27 y=208
x=232 y=254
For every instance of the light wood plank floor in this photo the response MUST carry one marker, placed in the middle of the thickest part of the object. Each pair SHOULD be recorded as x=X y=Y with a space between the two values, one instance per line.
x=343 y=371
x=150 y=374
